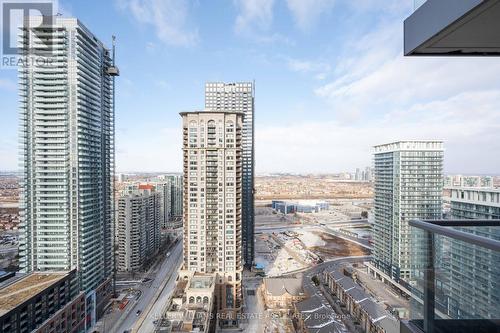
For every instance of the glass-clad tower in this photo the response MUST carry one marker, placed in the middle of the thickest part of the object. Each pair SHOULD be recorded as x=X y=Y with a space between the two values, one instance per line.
x=170 y=186
x=67 y=152
x=474 y=288
x=176 y=194
x=408 y=185
x=239 y=97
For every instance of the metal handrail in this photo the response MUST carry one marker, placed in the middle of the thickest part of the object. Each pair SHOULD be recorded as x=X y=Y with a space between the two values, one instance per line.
x=443 y=227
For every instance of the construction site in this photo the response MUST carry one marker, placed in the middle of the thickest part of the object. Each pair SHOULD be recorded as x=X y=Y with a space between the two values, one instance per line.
x=335 y=247
x=287 y=243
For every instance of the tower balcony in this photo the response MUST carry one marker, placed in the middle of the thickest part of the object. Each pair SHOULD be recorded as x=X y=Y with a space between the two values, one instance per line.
x=454 y=284
x=453 y=28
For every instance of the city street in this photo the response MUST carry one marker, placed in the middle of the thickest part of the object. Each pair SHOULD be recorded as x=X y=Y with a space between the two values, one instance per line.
x=164 y=288
x=151 y=292
x=253 y=311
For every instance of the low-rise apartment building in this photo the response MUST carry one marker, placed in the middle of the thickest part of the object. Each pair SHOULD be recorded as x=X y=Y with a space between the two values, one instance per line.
x=46 y=302
x=192 y=306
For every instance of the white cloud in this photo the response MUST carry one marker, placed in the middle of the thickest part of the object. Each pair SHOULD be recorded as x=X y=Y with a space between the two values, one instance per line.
x=151 y=47
x=389 y=6
x=162 y=84
x=379 y=95
x=254 y=21
x=169 y=18
x=377 y=79
x=253 y=14
x=161 y=153
x=307 y=12
x=471 y=138
x=318 y=68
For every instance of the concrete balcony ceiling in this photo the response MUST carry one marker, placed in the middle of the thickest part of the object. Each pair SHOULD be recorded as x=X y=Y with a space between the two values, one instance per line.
x=454 y=28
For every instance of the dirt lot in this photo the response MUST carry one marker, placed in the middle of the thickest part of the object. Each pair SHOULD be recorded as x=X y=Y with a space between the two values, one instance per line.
x=338 y=247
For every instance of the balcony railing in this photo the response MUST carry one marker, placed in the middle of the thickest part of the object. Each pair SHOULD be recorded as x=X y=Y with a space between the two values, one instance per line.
x=455 y=282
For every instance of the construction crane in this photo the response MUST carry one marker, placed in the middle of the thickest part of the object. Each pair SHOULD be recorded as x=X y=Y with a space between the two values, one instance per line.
x=113 y=70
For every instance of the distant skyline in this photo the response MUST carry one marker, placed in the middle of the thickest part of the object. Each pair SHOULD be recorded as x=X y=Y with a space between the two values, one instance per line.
x=331 y=82
x=265 y=174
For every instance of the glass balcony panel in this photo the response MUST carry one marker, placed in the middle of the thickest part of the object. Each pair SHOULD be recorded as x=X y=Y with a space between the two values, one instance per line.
x=457 y=278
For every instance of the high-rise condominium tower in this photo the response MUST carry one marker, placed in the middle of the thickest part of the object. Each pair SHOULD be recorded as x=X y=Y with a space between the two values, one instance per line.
x=138 y=227
x=67 y=153
x=212 y=201
x=165 y=189
x=474 y=288
x=170 y=186
x=176 y=194
x=239 y=96
x=408 y=185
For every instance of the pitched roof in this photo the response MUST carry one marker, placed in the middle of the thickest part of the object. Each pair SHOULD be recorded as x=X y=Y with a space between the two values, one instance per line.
x=389 y=324
x=322 y=321
x=280 y=286
x=311 y=304
x=357 y=294
x=318 y=316
x=347 y=284
x=336 y=275
x=375 y=311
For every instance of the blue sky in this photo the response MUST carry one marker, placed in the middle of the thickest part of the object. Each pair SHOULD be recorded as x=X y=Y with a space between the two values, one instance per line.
x=331 y=82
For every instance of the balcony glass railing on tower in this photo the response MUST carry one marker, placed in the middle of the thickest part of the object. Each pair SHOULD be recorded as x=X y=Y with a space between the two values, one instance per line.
x=455 y=282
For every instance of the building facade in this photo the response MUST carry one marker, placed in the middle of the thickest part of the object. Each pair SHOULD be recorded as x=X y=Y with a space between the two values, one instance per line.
x=468 y=181
x=213 y=203
x=240 y=97
x=192 y=305
x=138 y=227
x=474 y=289
x=42 y=303
x=281 y=293
x=302 y=206
x=408 y=185
x=176 y=195
x=67 y=153
x=170 y=187
x=165 y=190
